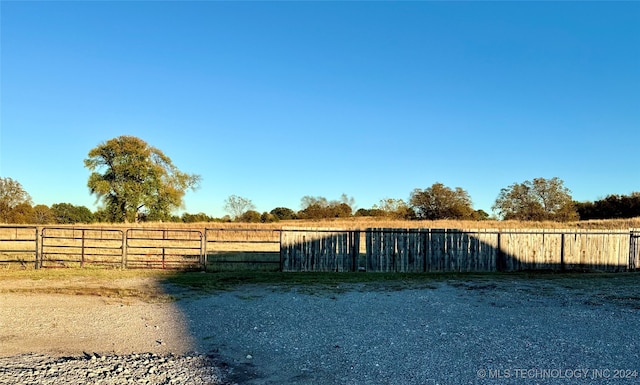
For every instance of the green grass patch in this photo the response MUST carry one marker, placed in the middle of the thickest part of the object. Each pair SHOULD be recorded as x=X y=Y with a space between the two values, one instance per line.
x=589 y=288
x=243 y=261
x=211 y=282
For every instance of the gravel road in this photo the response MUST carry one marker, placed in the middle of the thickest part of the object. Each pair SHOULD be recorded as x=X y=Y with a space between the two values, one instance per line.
x=475 y=334
x=451 y=333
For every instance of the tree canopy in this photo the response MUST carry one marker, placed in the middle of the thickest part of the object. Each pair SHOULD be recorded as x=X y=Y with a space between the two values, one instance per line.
x=612 y=206
x=442 y=202
x=133 y=179
x=283 y=213
x=537 y=200
x=68 y=213
x=12 y=195
x=320 y=207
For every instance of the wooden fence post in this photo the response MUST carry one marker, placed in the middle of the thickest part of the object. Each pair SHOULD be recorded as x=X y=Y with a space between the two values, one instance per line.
x=562 y=266
x=499 y=254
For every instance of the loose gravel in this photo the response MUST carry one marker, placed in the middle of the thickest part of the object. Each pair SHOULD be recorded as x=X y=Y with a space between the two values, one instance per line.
x=481 y=333
x=94 y=368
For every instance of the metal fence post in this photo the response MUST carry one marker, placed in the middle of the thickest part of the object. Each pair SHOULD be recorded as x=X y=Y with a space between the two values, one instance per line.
x=37 y=254
x=82 y=248
x=123 y=263
x=42 y=238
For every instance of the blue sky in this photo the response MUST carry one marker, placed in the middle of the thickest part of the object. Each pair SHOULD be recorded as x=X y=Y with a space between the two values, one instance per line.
x=273 y=101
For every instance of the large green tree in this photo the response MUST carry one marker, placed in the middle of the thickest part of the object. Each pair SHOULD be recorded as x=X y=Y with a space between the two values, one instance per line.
x=134 y=180
x=442 y=202
x=538 y=200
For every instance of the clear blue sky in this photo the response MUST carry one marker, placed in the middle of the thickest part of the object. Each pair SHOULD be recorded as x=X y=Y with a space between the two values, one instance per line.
x=273 y=101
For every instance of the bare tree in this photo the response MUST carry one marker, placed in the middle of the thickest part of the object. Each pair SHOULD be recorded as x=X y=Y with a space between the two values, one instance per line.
x=237 y=205
x=394 y=208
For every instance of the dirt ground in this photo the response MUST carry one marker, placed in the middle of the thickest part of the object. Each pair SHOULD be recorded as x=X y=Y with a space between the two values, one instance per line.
x=62 y=322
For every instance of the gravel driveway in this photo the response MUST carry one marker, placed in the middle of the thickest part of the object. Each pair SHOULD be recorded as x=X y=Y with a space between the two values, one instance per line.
x=449 y=333
x=511 y=333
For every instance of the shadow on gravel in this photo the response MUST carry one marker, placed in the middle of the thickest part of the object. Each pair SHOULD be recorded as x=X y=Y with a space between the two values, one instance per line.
x=354 y=328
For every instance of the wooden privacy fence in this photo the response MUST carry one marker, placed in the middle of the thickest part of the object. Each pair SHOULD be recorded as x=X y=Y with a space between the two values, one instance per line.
x=319 y=250
x=451 y=250
x=430 y=250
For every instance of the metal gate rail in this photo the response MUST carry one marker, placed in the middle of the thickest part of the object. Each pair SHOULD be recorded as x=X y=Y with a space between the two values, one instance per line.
x=73 y=247
x=242 y=249
x=19 y=244
x=164 y=248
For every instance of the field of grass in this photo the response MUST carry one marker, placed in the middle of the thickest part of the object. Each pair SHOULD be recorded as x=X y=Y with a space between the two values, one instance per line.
x=376 y=222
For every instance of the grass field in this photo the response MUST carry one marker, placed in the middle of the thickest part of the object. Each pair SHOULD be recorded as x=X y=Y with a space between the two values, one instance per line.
x=366 y=222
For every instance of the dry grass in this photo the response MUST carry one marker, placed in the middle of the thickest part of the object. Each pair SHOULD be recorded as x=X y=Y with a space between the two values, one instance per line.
x=110 y=284
x=372 y=222
x=366 y=222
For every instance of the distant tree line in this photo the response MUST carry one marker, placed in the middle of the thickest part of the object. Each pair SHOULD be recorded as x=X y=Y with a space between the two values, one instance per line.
x=613 y=206
x=537 y=200
x=136 y=182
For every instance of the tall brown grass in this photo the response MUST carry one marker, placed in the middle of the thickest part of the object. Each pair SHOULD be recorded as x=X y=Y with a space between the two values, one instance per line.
x=375 y=222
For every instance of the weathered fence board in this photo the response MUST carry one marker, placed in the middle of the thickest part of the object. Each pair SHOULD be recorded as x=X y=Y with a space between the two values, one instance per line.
x=429 y=250
x=634 y=250
x=318 y=250
x=451 y=250
x=597 y=251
